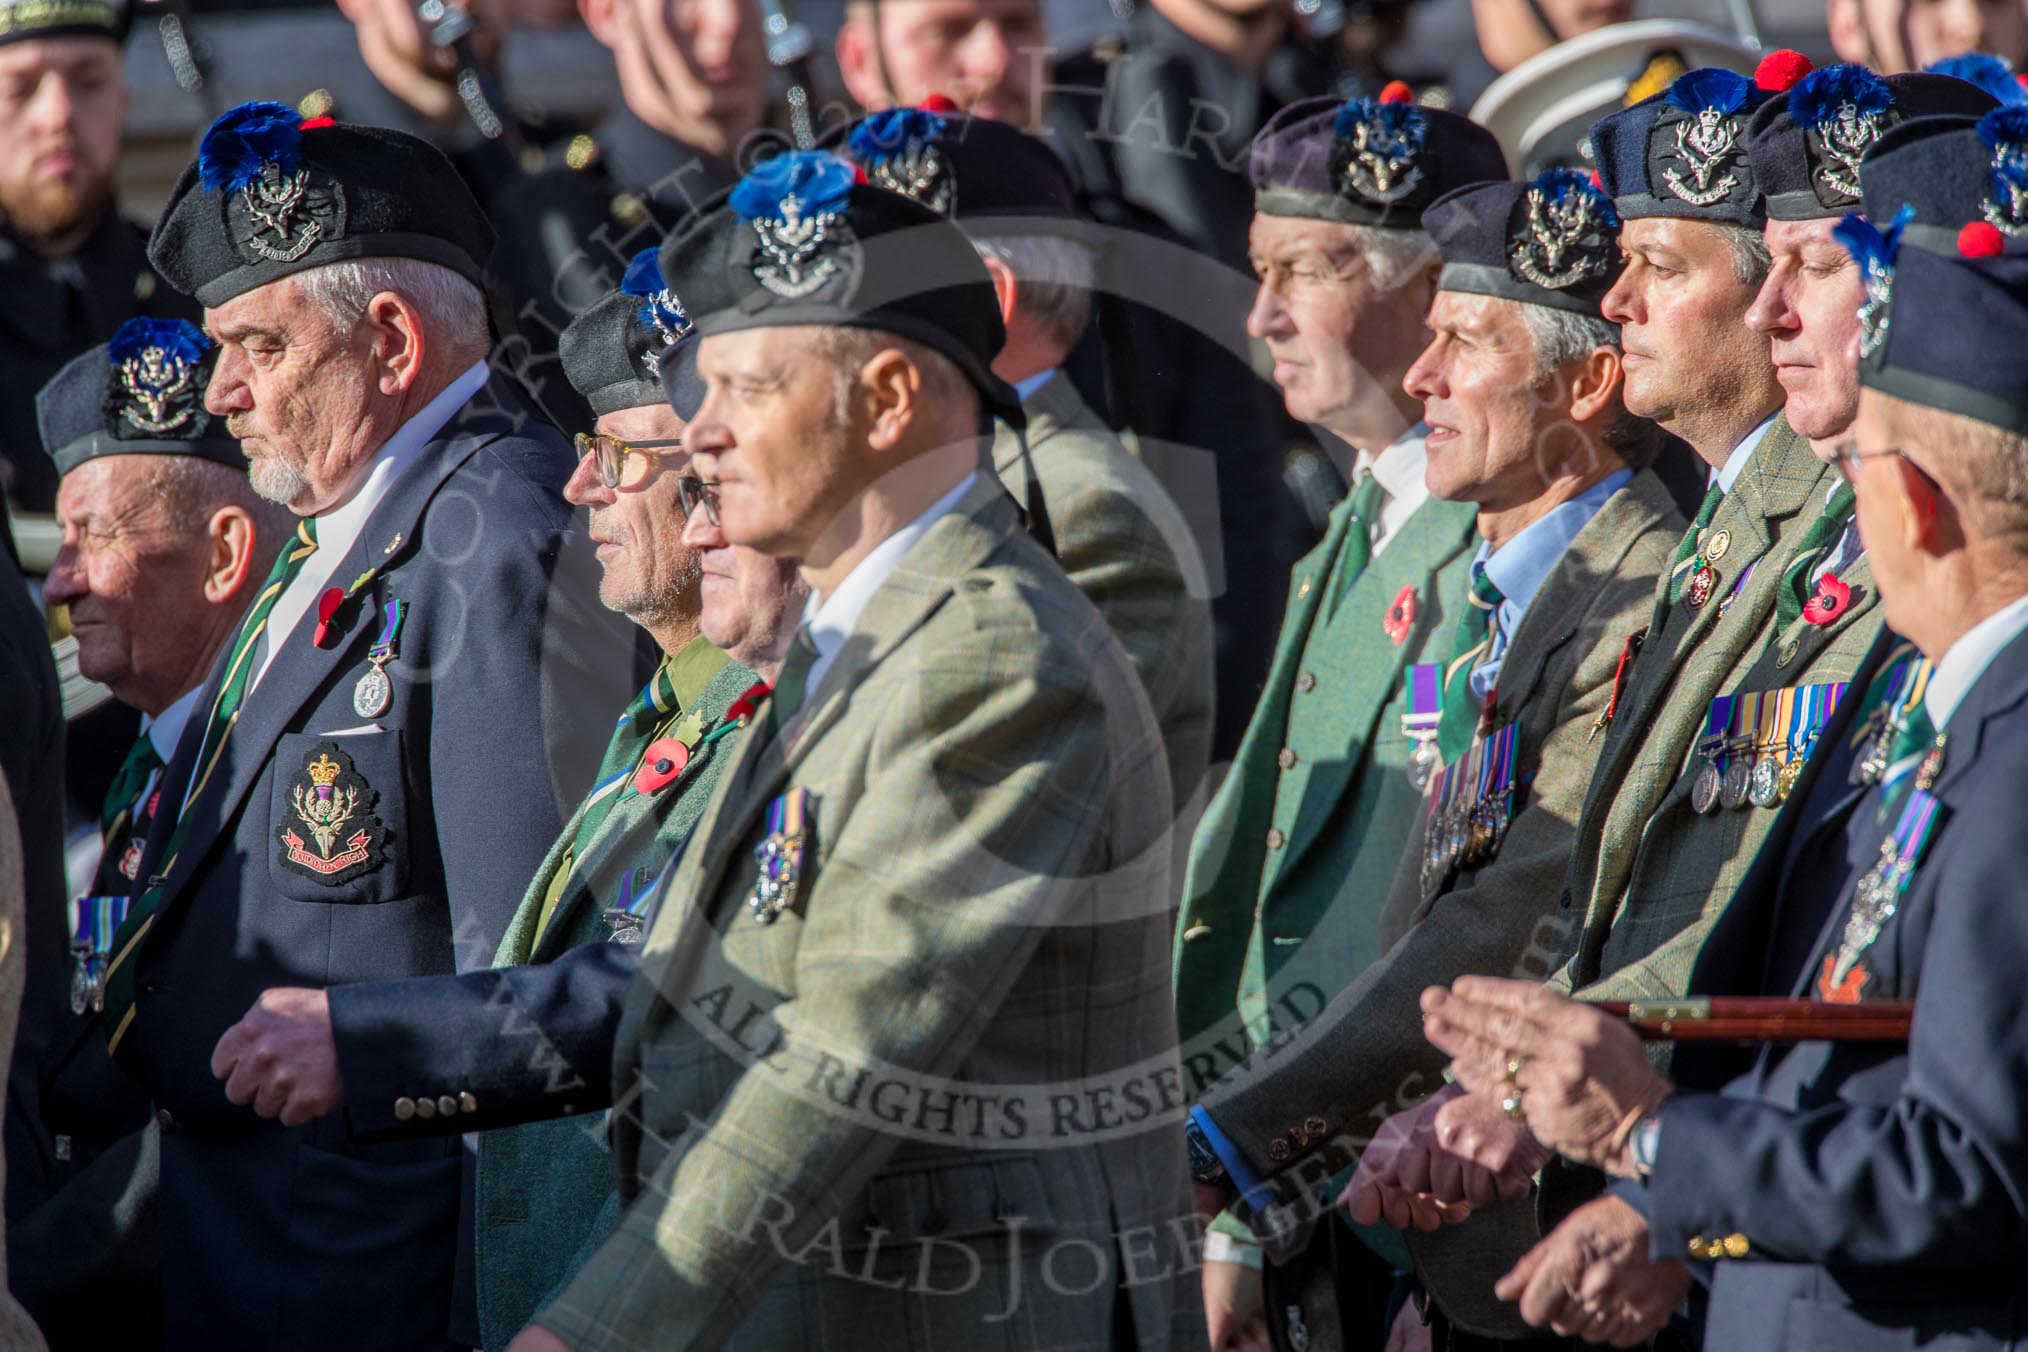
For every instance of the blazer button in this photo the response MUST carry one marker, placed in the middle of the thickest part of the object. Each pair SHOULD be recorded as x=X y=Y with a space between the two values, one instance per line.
x=1278 y=1150
x=1787 y=654
x=1286 y=758
x=1736 y=1246
x=165 y=1119
x=1275 y=838
x=448 y=1106
x=404 y=1108
x=425 y=1108
x=1316 y=1126
x=467 y=1102
x=1306 y=682
x=1195 y=932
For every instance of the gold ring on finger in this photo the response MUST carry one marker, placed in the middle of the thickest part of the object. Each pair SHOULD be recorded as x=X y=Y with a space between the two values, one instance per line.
x=1513 y=1106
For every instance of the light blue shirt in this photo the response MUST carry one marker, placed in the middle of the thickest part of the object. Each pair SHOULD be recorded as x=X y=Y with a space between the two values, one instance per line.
x=1026 y=389
x=1519 y=567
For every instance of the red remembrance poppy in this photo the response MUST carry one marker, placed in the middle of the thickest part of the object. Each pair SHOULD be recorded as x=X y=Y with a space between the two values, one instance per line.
x=1400 y=616
x=327 y=606
x=661 y=766
x=1832 y=600
x=743 y=708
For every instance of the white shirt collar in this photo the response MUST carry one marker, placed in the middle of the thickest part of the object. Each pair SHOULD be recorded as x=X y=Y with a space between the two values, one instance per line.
x=166 y=728
x=338 y=529
x=1399 y=467
x=1728 y=473
x=831 y=619
x=1966 y=660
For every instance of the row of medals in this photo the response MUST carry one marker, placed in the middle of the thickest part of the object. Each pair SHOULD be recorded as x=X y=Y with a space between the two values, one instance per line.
x=1459 y=834
x=1764 y=780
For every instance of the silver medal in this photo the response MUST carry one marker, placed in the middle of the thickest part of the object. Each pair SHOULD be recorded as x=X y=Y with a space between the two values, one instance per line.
x=1422 y=765
x=1704 y=789
x=1764 y=790
x=1738 y=782
x=372 y=694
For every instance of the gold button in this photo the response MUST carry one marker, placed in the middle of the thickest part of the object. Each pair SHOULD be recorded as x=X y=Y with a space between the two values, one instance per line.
x=1306 y=682
x=467 y=1102
x=1303 y=590
x=1278 y=1150
x=448 y=1106
x=425 y=1108
x=581 y=151
x=629 y=210
x=1275 y=838
x=1716 y=544
x=1286 y=758
x=1736 y=1246
x=404 y=1108
x=1701 y=1248
x=1195 y=932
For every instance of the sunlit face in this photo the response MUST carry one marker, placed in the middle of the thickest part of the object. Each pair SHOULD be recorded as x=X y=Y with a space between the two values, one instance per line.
x=1339 y=337
x=1881 y=508
x=637 y=528
x=1569 y=18
x=63 y=102
x=1682 y=315
x=132 y=577
x=990 y=57
x=708 y=57
x=1809 y=310
x=1895 y=36
x=752 y=603
x=1494 y=424
x=292 y=386
x=768 y=436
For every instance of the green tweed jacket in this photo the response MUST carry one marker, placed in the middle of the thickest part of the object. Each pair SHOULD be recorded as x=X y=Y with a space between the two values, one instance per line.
x=899 y=1113
x=541 y=1186
x=1125 y=544
x=1365 y=1056
x=1289 y=868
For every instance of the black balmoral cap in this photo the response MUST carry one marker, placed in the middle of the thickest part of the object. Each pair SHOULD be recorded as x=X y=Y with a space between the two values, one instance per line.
x=1963 y=178
x=1367 y=161
x=1806 y=148
x=1678 y=154
x=636 y=346
x=1552 y=242
x=142 y=393
x=271 y=194
x=21 y=20
x=803 y=240
x=987 y=176
x=1943 y=330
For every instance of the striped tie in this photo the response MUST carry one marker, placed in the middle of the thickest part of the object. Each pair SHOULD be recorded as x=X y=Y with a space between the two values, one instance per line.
x=1474 y=640
x=794 y=681
x=1911 y=744
x=1357 y=551
x=1823 y=532
x=217 y=728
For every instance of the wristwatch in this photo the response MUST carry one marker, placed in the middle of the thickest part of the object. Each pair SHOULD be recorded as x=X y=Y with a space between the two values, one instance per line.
x=1205 y=1166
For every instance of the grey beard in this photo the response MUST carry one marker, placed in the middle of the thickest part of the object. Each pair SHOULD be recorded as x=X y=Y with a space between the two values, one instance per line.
x=277 y=481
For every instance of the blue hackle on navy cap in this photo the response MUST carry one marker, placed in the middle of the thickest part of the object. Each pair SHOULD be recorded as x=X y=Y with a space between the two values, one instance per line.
x=1559 y=184
x=1985 y=70
x=178 y=337
x=819 y=181
x=1821 y=97
x=1709 y=87
x=644 y=279
x=889 y=133
x=1872 y=248
x=244 y=139
x=1402 y=119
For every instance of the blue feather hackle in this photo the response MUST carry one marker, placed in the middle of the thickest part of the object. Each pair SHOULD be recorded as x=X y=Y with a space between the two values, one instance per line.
x=2004 y=126
x=245 y=138
x=644 y=279
x=891 y=132
x=1820 y=96
x=644 y=274
x=1403 y=120
x=818 y=180
x=1872 y=248
x=1709 y=87
x=178 y=337
x=1985 y=70
x=1557 y=184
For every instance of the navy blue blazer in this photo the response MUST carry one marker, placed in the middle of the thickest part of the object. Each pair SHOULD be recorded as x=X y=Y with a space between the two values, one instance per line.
x=1877 y=1195
x=309 y=1238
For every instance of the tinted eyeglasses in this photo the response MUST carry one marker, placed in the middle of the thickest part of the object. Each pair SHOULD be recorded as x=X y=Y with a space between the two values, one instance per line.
x=617 y=467
x=693 y=493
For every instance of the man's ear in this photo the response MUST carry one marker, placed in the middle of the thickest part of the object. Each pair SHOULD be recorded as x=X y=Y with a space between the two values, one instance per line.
x=1595 y=385
x=891 y=385
x=229 y=552
x=859 y=63
x=602 y=20
x=1927 y=516
x=399 y=344
x=1006 y=287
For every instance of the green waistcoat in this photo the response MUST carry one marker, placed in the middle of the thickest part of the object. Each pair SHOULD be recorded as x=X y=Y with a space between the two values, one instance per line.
x=541 y=1187
x=1289 y=868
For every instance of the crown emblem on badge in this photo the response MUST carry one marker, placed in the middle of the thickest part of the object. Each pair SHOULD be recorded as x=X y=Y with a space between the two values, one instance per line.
x=899 y=150
x=2005 y=132
x=157 y=366
x=323 y=771
x=661 y=312
x=1874 y=251
x=346 y=839
x=1706 y=148
x=254 y=154
x=793 y=202
x=1379 y=147
x=1844 y=109
x=1562 y=240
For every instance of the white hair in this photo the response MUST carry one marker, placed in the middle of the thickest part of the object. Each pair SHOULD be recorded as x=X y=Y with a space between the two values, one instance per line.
x=1395 y=256
x=1563 y=336
x=1056 y=276
x=1751 y=261
x=452 y=309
